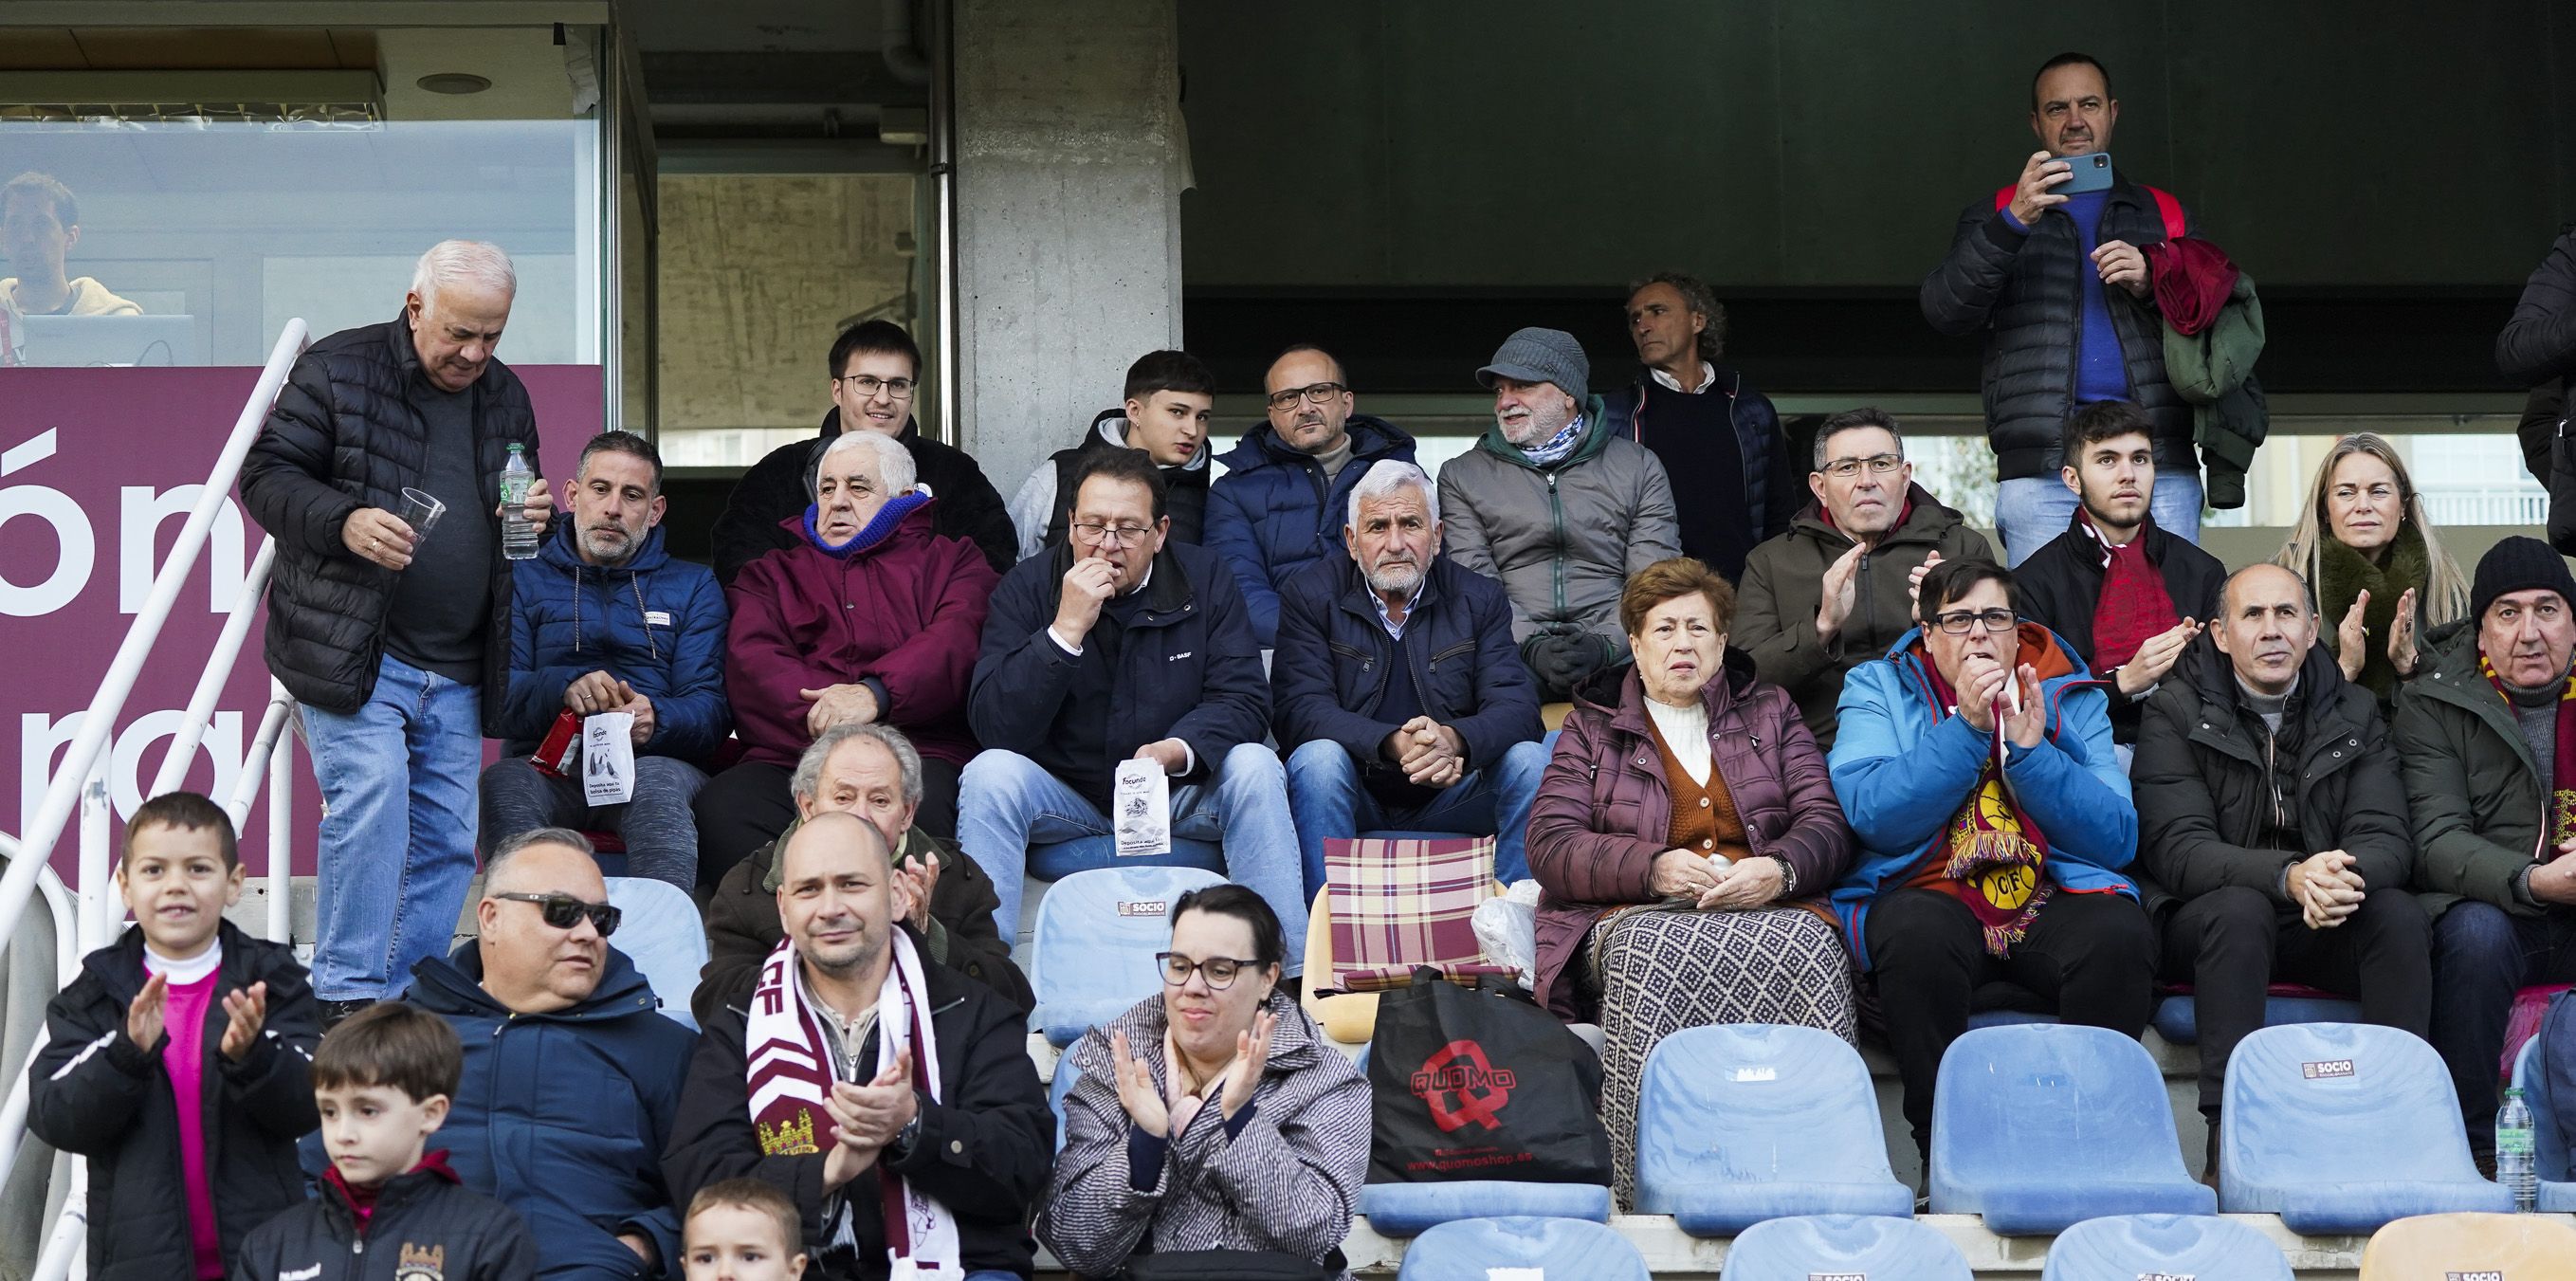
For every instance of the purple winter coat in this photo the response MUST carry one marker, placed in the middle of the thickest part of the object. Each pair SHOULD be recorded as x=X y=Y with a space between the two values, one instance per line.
x=1604 y=812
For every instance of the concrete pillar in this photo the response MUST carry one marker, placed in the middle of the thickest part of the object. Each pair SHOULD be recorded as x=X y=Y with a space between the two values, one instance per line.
x=1071 y=159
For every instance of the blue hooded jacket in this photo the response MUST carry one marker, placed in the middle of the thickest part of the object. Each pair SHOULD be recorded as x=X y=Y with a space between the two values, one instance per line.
x=1901 y=775
x=1271 y=514
x=656 y=623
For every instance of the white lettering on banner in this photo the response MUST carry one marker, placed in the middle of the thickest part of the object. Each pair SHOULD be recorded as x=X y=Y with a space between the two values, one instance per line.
x=140 y=514
x=78 y=547
x=141 y=511
x=40 y=737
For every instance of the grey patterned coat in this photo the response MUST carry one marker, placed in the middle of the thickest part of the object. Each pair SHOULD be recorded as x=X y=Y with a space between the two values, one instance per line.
x=1289 y=1182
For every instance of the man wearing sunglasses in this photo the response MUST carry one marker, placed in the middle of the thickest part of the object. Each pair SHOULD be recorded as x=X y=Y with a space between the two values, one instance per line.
x=572 y=1075
x=1836 y=590
x=1271 y=514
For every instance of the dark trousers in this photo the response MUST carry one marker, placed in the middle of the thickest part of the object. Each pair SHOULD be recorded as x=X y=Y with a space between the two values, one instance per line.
x=2229 y=944
x=747 y=806
x=2480 y=955
x=2091 y=955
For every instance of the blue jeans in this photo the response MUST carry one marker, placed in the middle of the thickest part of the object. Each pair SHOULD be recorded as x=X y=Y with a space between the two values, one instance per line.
x=1006 y=804
x=2034 y=509
x=397 y=839
x=659 y=827
x=1326 y=795
x=2481 y=956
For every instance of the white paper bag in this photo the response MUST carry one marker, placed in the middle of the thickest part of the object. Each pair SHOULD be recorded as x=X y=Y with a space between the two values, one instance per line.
x=608 y=758
x=1141 y=805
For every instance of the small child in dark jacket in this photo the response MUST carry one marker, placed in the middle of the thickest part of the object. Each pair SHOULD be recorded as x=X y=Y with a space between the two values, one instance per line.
x=178 y=1062
x=383 y=1080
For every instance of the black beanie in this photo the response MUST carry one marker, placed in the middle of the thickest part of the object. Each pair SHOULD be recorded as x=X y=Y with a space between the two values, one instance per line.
x=2519 y=564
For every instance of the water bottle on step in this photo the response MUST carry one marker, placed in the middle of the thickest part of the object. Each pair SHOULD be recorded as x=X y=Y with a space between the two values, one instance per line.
x=2514 y=1147
x=519 y=534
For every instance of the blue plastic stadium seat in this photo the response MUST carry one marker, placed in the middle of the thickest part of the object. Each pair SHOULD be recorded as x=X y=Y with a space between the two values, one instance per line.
x=2003 y=1004
x=2129 y=1246
x=1097 y=934
x=1554 y=1249
x=1059 y=1089
x=2557 y=1191
x=1411 y=1209
x=2041 y=1126
x=1753 y=1121
x=1064 y=860
x=2177 y=1017
x=1843 y=1245
x=2341 y=1127
x=660 y=930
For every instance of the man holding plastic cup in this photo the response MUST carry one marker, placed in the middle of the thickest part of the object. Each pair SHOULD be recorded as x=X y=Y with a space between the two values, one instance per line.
x=384 y=633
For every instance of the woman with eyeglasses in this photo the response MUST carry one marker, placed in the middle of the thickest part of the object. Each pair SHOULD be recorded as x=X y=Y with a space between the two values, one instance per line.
x=1681 y=833
x=2380 y=575
x=1212 y=1117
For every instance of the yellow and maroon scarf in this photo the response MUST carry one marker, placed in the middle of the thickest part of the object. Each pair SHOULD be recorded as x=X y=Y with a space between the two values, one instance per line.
x=2562 y=786
x=1992 y=854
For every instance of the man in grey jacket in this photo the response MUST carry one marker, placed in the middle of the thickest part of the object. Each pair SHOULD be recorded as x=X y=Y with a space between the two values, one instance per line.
x=1558 y=508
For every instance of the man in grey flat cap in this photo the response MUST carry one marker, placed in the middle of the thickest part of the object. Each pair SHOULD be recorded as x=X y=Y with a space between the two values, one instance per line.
x=1558 y=508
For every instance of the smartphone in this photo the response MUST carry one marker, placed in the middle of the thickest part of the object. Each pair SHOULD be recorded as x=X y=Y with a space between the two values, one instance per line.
x=2088 y=172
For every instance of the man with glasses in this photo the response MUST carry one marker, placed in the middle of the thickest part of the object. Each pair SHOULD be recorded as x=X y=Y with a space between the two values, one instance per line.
x=1993 y=824
x=1837 y=589
x=1124 y=644
x=1705 y=423
x=1170 y=397
x=875 y=385
x=1271 y=514
x=572 y=1076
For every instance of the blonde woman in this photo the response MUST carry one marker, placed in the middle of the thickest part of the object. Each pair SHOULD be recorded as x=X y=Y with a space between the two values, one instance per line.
x=2380 y=575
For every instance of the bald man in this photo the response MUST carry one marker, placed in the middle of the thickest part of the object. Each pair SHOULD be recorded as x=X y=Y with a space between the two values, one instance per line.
x=572 y=1076
x=2272 y=828
x=882 y=1077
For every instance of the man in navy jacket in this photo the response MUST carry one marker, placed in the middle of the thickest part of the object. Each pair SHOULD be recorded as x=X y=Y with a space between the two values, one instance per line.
x=603 y=620
x=1402 y=701
x=1122 y=645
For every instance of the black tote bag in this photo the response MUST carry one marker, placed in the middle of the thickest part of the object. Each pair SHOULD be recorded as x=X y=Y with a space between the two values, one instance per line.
x=1481 y=1084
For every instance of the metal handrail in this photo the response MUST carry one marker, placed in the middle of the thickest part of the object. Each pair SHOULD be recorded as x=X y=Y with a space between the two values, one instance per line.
x=219 y=668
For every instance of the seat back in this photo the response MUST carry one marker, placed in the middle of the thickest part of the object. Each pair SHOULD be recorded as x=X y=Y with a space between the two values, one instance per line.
x=1872 y=1246
x=1097 y=935
x=2517 y=1247
x=659 y=929
x=1059 y=1089
x=1522 y=1249
x=2013 y=1102
x=2315 y=1103
x=2549 y=1150
x=2125 y=1247
x=1754 y=1102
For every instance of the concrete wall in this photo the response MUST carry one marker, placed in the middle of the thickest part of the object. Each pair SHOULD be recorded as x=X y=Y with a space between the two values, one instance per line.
x=1834 y=142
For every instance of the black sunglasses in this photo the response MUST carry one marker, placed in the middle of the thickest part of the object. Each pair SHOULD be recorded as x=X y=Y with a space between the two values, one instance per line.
x=563 y=911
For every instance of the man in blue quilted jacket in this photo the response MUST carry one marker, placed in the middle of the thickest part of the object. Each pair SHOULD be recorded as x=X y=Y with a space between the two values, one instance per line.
x=602 y=619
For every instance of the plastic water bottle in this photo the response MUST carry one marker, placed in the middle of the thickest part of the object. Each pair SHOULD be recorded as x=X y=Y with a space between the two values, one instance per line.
x=519 y=534
x=2514 y=1167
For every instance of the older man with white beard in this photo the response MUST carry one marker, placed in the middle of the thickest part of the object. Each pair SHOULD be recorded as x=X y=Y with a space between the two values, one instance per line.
x=1397 y=689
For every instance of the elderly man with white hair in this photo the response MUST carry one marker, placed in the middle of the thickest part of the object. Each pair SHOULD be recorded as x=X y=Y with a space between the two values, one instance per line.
x=395 y=640
x=1397 y=691
x=870 y=618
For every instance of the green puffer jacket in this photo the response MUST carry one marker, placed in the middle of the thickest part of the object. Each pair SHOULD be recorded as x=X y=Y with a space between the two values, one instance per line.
x=2471 y=783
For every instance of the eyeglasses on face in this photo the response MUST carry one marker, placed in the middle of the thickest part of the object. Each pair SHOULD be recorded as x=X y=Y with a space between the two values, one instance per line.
x=1317 y=393
x=1878 y=464
x=1094 y=534
x=868 y=385
x=1958 y=621
x=1219 y=971
x=563 y=911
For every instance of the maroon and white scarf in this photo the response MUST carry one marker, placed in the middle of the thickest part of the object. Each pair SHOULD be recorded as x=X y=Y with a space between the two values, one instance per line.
x=788 y=1070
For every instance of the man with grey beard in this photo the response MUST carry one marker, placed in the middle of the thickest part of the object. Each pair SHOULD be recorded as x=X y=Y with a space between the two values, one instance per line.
x=1559 y=507
x=1397 y=688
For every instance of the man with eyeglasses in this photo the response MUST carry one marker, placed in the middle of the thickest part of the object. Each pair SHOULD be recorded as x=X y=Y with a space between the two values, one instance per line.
x=1270 y=515
x=1705 y=422
x=1170 y=398
x=1123 y=644
x=1836 y=590
x=1993 y=821
x=572 y=1075
x=875 y=386
x=890 y=1097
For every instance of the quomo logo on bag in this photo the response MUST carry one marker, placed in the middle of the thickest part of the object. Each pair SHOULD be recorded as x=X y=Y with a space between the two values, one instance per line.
x=1461 y=1086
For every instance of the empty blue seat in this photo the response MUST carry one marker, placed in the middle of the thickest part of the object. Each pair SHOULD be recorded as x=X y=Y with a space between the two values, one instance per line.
x=1537 y=1248
x=2177 y=1017
x=1411 y=1209
x=1097 y=934
x=2341 y=1127
x=1752 y=1121
x=1843 y=1245
x=2557 y=1190
x=2040 y=1126
x=660 y=930
x=2126 y=1247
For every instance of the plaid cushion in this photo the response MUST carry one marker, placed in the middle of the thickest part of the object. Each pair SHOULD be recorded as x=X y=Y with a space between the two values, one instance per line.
x=1396 y=905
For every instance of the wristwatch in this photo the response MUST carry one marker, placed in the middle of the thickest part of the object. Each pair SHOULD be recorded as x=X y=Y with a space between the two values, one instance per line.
x=901 y=1146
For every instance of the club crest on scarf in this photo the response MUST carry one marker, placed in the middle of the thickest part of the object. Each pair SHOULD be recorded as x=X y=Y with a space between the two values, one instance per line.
x=2562 y=788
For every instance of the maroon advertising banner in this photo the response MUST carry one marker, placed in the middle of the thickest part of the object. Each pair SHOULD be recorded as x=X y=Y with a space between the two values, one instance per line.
x=98 y=471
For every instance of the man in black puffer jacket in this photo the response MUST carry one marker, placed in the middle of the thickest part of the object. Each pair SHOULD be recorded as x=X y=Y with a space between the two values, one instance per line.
x=388 y=639
x=2058 y=284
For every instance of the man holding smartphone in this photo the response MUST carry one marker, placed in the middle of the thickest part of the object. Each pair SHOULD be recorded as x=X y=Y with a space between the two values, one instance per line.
x=2054 y=275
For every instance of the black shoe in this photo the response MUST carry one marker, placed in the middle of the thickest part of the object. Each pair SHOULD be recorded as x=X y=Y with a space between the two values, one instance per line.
x=2209 y=1171
x=334 y=1011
